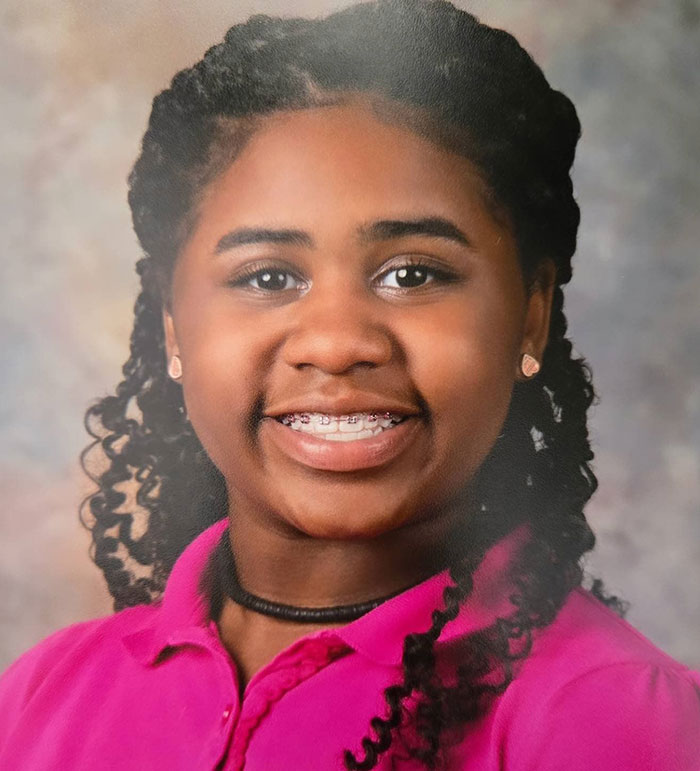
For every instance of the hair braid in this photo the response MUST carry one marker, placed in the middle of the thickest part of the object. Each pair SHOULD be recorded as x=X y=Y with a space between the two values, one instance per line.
x=419 y=677
x=152 y=452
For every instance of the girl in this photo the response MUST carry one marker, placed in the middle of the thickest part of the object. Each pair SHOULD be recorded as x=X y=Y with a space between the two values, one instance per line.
x=357 y=431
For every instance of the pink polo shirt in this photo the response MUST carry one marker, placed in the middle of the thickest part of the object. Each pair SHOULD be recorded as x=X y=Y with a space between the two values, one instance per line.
x=152 y=687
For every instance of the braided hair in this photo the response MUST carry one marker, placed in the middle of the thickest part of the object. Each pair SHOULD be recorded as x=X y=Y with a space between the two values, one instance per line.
x=476 y=91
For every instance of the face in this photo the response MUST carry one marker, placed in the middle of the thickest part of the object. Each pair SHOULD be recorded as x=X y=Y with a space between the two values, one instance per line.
x=341 y=269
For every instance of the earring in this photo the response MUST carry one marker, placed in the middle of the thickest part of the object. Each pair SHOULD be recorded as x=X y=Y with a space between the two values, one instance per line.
x=529 y=365
x=175 y=367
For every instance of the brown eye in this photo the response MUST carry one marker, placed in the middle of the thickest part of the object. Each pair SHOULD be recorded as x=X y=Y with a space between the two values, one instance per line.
x=411 y=276
x=272 y=279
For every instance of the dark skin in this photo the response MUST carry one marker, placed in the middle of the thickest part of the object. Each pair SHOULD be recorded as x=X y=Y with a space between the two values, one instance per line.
x=341 y=323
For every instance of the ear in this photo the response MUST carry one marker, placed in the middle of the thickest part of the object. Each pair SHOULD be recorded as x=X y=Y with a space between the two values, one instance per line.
x=539 y=309
x=171 y=346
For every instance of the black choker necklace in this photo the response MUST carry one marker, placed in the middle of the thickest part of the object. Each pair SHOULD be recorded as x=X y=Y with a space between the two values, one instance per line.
x=229 y=583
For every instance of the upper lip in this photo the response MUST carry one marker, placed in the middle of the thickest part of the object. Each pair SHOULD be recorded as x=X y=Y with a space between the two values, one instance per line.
x=343 y=406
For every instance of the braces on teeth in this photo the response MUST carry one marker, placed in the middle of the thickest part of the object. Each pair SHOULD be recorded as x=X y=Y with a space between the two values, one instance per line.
x=306 y=418
x=342 y=428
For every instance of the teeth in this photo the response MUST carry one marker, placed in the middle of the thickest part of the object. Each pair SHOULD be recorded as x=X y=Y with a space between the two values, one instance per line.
x=350 y=437
x=350 y=424
x=323 y=426
x=351 y=419
x=342 y=428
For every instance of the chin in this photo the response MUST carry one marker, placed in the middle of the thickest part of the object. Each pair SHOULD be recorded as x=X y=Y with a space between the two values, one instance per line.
x=347 y=523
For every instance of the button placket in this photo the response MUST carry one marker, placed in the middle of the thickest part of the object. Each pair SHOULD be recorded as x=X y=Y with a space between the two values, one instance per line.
x=302 y=663
x=228 y=712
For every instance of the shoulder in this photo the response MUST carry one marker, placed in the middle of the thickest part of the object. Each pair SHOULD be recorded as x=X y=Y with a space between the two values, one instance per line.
x=586 y=635
x=62 y=653
x=595 y=693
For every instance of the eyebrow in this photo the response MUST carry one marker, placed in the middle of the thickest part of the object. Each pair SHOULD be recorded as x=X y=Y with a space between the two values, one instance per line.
x=244 y=236
x=382 y=230
x=435 y=227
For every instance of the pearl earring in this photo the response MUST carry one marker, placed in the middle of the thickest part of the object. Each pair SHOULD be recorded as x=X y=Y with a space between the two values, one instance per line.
x=529 y=365
x=175 y=367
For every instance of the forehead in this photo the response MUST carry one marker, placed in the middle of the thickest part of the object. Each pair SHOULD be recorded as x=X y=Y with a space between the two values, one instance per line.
x=343 y=161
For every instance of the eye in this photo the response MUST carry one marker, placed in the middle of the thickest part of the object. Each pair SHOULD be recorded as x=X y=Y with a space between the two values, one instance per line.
x=412 y=275
x=268 y=279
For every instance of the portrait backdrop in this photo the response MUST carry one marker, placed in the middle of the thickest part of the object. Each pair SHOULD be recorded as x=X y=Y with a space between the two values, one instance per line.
x=77 y=82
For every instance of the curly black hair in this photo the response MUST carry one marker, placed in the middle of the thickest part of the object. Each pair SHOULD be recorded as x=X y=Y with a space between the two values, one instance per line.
x=474 y=90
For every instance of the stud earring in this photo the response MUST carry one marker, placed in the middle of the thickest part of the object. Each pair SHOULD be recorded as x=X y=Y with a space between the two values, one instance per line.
x=175 y=367
x=529 y=365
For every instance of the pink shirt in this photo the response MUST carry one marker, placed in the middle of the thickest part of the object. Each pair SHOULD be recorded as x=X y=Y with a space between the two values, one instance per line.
x=152 y=687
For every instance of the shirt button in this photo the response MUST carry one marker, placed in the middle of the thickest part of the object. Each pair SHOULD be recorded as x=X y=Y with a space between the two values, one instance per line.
x=226 y=714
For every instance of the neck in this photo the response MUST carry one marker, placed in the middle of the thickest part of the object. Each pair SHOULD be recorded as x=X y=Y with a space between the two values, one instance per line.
x=289 y=567
x=225 y=565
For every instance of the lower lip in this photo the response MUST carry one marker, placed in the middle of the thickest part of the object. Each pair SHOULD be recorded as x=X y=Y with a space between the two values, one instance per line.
x=326 y=455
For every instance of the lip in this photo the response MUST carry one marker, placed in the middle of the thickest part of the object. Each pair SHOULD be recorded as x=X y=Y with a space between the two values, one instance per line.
x=324 y=455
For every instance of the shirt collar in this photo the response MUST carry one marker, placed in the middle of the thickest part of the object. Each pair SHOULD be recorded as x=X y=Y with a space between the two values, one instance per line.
x=183 y=615
x=378 y=635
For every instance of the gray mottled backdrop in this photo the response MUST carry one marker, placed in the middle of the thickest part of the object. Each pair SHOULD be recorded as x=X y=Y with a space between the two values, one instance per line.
x=77 y=80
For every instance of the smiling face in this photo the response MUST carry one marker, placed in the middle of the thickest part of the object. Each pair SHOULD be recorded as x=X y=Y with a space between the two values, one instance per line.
x=345 y=266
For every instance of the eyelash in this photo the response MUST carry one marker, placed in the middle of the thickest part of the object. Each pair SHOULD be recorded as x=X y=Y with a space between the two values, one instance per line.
x=439 y=275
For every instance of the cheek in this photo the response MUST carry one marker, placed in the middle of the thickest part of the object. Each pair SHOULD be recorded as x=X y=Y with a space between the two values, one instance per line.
x=220 y=387
x=463 y=365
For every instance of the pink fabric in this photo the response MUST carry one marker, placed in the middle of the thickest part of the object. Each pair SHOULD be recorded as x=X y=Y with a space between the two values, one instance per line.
x=153 y=688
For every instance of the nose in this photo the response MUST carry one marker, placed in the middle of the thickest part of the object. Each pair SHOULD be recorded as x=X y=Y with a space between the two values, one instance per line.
x=336 y=332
